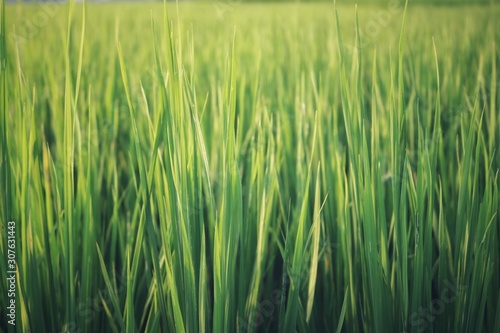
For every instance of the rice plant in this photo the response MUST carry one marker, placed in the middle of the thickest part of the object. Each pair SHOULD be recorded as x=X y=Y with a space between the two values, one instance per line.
x=235 y=167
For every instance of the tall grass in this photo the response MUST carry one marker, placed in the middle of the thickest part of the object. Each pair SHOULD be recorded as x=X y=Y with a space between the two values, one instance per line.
x=170 y=171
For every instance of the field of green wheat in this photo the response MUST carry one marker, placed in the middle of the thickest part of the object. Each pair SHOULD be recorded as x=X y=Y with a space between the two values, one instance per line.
x=221 y=166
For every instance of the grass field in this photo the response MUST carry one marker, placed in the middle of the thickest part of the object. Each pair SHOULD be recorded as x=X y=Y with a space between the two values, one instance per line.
x=230 y=167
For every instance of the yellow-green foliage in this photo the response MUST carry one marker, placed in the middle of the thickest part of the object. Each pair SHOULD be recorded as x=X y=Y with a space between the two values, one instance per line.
x=230 y=167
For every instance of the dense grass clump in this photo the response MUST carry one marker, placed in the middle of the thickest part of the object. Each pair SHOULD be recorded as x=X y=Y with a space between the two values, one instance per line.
x=266 y=167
